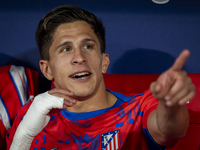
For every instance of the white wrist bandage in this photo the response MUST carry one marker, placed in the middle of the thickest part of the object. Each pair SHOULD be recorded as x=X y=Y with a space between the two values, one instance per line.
x=36 y=118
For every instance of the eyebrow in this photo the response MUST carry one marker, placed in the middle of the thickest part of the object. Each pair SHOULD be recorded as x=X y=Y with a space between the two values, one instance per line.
x=63 y=44
x=82 y=41
x=87 y=40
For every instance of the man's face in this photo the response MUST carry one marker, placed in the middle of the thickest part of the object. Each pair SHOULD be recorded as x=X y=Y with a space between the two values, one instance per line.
x=76 y=62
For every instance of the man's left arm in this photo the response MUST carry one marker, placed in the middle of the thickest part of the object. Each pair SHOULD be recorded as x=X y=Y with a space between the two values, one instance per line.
x=169 y=122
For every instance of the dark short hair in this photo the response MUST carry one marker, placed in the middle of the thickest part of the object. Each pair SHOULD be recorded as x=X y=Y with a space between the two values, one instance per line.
x=65 y=14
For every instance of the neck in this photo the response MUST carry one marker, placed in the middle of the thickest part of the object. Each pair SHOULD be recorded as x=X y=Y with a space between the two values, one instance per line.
x=102 y=99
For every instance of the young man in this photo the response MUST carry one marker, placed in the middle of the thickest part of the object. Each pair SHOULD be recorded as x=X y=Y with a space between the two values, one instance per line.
x=72 y=47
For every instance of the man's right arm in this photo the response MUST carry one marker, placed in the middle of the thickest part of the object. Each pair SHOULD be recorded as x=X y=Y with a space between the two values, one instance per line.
x=37 y=116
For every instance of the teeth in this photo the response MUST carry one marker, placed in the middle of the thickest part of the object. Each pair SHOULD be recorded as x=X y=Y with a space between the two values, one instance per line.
x=80 y=74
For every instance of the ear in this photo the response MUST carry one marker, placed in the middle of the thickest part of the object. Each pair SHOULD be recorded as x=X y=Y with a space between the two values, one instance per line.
x=105 y=62
x=46 y=69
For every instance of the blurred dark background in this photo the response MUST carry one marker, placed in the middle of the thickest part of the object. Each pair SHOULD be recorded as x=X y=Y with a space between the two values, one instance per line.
x=141 y=37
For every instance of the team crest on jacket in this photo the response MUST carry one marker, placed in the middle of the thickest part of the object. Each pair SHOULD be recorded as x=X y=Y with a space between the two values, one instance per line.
x=110 y=140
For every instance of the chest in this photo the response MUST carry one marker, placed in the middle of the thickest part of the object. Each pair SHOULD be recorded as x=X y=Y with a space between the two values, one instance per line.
x=109 y=131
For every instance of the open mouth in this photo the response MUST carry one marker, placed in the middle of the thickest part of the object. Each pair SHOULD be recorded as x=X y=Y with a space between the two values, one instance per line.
x=81 y=75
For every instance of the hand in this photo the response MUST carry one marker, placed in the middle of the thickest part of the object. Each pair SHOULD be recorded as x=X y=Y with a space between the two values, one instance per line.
x=38 y=116
x=173 y=86
x=66 y=95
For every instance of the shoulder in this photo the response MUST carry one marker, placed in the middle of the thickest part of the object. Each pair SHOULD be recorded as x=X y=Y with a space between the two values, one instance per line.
x=144 y=98
x=19 y=116
x=145 y=102
x=22 y=111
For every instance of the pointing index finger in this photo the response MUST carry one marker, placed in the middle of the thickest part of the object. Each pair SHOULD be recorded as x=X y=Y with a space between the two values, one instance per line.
x=180 y=60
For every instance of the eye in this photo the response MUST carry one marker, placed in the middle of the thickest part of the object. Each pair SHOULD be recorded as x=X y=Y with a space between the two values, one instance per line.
x=66 y=49
x=88 y=46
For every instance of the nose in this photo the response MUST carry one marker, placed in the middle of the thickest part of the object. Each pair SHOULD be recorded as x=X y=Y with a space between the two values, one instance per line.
x=78 y=57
